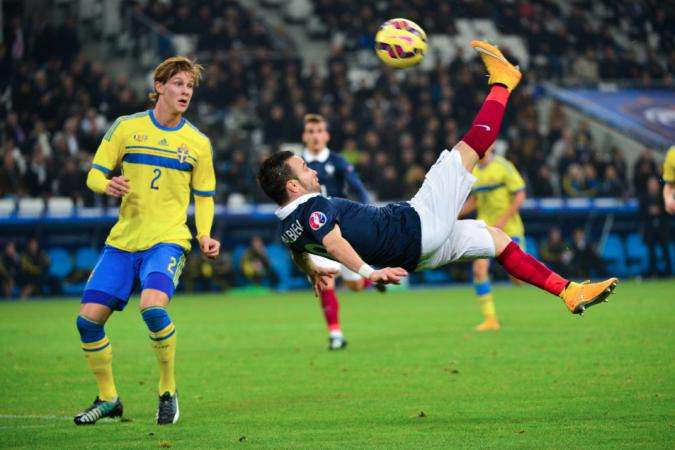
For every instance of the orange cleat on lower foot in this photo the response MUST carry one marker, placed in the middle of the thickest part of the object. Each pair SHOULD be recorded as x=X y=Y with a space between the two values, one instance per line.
x=580 y=296
x=488 y=325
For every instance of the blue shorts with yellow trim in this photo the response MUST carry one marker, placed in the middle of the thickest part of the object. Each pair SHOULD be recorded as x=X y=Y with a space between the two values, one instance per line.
x=117 y=271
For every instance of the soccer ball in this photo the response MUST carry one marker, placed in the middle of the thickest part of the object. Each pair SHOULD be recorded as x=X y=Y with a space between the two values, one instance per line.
x=400 y=43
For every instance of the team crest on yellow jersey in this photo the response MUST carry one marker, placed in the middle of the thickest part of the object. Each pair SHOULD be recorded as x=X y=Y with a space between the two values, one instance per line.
x=183 y=153
x=140 y=137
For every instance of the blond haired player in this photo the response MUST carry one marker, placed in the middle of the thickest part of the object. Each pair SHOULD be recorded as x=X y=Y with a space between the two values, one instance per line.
x=497 y=195
x=164 y=160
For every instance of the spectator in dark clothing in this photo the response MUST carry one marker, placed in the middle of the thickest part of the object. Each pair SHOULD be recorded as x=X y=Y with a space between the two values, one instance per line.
x=612 y=185
x=644 y=168
x=10 y=263
x=585 y=257
x=541 y=185
x=208 y=274
x=655 y=226
x=70 y=181
x=554 y=253
x=33 y=274
x=255 y=265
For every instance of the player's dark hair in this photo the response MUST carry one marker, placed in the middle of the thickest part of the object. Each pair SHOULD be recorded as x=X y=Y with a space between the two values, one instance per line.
x=315 y=118
x=273 y=175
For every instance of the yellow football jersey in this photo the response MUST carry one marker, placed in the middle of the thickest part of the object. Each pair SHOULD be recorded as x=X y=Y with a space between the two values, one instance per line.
x=669 y=166
x=496 y=183
x=163 y=164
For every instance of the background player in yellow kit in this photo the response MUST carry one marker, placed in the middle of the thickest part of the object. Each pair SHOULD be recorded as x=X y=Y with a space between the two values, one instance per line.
x=164 y=159
x=497 y=196
x=669 y=181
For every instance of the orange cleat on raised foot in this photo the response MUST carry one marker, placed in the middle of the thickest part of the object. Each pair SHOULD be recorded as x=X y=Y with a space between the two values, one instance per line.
x=580 y=296
x=500 y=69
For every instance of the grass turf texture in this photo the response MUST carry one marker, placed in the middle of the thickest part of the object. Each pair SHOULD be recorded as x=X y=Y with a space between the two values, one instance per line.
x=253 y=371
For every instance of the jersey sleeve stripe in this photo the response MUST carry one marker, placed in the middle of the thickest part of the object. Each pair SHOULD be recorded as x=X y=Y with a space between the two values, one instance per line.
x=154 y=160
x=101 y=168
x=204 y=193
x=487 y=187
x=157 y=149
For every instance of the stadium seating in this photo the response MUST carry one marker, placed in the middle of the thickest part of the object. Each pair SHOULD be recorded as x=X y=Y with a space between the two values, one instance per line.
x=637 y=257
x=613 y=255
x=61 y=262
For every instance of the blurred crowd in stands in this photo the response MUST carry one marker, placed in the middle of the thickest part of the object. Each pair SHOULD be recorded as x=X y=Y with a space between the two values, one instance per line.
x=59 y=104
x=55 y=104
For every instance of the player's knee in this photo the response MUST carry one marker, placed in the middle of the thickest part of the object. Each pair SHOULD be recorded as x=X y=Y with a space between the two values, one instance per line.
x=500 y=239
x=90 y=331
x=355 y=285
x=158 y=288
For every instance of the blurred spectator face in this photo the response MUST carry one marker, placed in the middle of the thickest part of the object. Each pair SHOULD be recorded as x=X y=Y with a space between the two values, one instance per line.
x=590 y=172
x=579 y=235
x=33 y=246
x=176 y=93
x=257 y=244
x=653 y=186
x=554 y=235
x=610 y=173
x=575 y=172
x=10 y=249
x=315 y=136
x=544 y=173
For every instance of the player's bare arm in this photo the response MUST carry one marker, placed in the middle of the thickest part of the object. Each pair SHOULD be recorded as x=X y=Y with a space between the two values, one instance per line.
x=516 y=203
x=669 y=197
x=342 y=250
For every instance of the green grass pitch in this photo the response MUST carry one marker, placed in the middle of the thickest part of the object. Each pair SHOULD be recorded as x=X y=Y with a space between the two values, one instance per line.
x=253 y=371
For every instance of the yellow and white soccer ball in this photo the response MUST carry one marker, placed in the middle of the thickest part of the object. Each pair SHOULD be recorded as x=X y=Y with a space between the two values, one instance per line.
x=400 y=43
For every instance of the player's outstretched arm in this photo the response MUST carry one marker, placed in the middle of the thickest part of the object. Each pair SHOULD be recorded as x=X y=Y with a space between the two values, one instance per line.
x=204 y=211
x=115 y=187
x=343 y=251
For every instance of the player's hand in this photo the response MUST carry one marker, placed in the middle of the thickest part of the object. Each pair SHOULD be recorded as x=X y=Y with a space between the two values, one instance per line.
x=209 y=247
x=670 y=206
x=118 y=186
x=388 y=275
x=322 y=278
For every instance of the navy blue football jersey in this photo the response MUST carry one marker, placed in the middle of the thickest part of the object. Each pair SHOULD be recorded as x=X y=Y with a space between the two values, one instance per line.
x=386 y=236
x=335 y=174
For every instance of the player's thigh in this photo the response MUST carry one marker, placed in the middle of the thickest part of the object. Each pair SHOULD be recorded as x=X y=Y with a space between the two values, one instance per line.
x=438 y=202
x=160 y=270
x=112 y=280
x=470 y=240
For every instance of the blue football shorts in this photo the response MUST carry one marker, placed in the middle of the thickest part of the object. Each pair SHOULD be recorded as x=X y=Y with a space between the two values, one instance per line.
x=117 y=272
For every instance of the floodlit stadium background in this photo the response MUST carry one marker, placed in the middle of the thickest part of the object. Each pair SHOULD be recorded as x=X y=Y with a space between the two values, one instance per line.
x=588 y=128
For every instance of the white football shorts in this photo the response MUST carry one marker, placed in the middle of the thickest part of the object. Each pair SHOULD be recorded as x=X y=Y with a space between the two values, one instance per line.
x=446 y=239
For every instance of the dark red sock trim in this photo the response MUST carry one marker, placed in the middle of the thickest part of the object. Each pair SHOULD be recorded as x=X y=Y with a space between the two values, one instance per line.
x=485 y=127
x=526 y=268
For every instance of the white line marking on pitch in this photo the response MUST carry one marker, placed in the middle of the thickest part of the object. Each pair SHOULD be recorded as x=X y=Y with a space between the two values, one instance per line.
x=30 y=416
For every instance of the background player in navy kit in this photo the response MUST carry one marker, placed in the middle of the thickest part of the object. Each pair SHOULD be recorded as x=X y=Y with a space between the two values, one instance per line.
x=423 y=233
x=335 y=174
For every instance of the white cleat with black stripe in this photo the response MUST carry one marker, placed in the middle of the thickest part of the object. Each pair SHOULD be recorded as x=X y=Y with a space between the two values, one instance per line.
x=98 y=410
x=167 y=411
